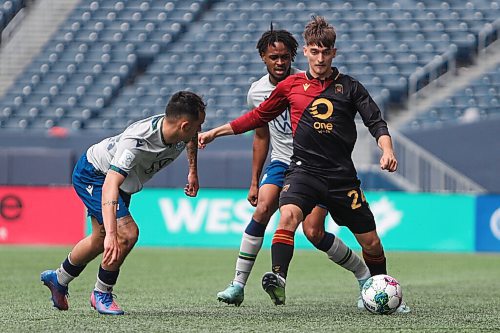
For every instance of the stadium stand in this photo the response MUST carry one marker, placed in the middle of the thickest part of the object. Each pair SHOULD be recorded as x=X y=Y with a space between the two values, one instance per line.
x=477 y=102
x=115 y=61
x=9 y=9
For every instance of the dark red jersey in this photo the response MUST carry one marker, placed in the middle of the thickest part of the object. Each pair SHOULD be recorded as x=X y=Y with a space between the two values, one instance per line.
x=322 y=114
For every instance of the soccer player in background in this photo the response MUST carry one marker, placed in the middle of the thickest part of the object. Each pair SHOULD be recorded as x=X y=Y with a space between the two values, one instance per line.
x=107 y=175
x=278 y=49
x=323 y=103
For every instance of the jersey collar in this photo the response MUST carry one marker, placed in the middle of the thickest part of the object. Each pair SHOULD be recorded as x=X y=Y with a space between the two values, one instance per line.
x=160 y=123
x=334 y=76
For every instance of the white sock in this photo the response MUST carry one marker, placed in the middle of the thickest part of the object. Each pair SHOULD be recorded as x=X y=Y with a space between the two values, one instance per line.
x=103 y=287
x=249 y=248
x=343 y=256
x=64 y=277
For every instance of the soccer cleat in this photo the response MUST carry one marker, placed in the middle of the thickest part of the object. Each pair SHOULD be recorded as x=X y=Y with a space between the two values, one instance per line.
x=104 y=303
x=274 y=285
x=59 y=292
x=403 y=308
x=359 y=303
x=233 y=294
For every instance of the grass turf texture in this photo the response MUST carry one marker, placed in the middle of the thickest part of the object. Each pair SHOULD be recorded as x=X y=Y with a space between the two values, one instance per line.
x=174 y=290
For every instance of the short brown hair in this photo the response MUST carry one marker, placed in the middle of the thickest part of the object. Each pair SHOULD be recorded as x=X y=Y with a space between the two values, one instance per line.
x=319 y=32
x=184 y=103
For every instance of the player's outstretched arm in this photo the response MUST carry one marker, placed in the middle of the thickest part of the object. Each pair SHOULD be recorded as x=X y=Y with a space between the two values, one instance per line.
x=192 y=187
x=209 y=136
x=388 y=160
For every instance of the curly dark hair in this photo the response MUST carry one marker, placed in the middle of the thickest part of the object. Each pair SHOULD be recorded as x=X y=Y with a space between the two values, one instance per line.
x=275 y=36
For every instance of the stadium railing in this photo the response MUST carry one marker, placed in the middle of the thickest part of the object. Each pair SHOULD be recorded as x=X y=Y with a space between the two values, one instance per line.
x=488 y=35
x=425 y=172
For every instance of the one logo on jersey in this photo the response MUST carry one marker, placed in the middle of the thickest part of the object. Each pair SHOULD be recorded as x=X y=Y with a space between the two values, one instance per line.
x=90 y=189
x=322 y=109
x=306 y=86
x=139 y=143
x=285 y=188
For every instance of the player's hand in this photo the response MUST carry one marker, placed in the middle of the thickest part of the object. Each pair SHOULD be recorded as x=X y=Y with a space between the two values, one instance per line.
x=111 y=250
x=253 y=195
x=388 y=162
x=205 y=138
x=192 y=187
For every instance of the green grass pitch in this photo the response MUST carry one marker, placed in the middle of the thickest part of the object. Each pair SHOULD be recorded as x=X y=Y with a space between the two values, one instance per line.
x=173 y=290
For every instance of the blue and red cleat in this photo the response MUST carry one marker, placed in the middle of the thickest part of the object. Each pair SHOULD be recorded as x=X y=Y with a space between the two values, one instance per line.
x=59 y=292
x=104 y=303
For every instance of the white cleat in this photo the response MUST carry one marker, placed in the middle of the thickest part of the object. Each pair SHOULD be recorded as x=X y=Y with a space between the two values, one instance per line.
x=403 y=308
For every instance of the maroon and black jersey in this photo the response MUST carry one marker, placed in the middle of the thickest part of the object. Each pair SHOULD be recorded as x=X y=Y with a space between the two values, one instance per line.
x=322 y=115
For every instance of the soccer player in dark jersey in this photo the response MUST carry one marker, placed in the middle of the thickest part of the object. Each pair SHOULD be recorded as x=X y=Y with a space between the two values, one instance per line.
x=277 y=49
x=323 y=103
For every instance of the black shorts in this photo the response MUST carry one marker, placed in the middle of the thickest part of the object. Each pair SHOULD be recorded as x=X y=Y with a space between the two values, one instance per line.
x=348 y=207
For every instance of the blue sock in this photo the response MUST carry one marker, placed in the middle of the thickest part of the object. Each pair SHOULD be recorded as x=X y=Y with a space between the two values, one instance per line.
x=256 y=229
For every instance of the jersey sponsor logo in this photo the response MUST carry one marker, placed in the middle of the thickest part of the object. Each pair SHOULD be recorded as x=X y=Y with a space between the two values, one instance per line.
x=158 y=165
x=306 y=86
x=90 y=189
x=322 y=109
x=282 y=123
x=126 y=159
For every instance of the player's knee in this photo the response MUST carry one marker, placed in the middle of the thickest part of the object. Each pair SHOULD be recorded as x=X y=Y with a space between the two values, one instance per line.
x=314 y=235
x=129 y=237
x=373 y=246
x=290 y=217
x=263 y=213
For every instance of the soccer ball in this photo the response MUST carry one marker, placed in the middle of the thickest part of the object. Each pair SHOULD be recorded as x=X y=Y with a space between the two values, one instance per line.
x=382 y=294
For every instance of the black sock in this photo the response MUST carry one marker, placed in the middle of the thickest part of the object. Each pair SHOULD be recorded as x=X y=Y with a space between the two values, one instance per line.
x=71 y=269
x=376 y=264
x=326 y=243
x=282 y=251
x=108 y=277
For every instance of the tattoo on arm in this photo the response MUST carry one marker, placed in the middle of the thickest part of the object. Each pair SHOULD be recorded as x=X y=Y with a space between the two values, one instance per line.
x=110 y=203
x=192 y=152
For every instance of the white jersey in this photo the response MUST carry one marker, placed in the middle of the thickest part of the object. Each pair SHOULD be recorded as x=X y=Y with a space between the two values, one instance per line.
x=138 y=153
x=280 y=128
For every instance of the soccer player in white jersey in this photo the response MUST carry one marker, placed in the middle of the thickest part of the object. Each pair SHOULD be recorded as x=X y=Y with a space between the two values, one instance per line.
x=107 y=175
x=277 y=49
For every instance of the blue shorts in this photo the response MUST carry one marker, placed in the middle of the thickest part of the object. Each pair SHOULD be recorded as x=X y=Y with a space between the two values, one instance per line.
x=274 y=174
x=88 y=182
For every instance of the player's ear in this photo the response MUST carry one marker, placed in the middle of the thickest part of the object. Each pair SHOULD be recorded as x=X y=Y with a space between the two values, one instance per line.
x=185 y=125
x=304 y=49
x=334 y=51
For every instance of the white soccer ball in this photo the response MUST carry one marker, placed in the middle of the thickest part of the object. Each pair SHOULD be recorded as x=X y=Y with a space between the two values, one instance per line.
x=382 y=294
